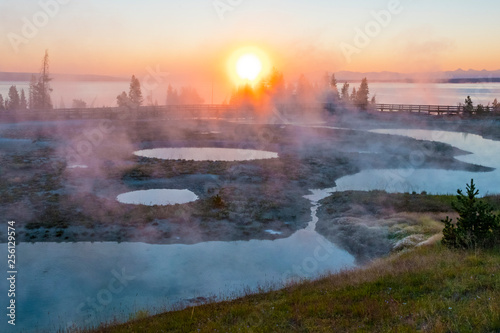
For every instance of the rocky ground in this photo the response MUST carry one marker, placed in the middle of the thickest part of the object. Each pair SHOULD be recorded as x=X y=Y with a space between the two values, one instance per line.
x=51 y=200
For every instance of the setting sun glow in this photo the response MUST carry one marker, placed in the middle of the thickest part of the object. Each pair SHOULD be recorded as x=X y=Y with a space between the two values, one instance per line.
x=248 y=67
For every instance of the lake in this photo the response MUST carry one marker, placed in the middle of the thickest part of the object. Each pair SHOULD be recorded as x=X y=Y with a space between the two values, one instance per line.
x=100 y=94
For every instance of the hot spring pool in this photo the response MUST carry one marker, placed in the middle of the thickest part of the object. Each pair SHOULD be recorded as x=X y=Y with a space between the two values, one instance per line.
x=206 y=154
x=157 y=197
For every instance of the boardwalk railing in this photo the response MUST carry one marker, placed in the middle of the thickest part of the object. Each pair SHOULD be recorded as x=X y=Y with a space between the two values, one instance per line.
x=423 y=109
x=221 y=111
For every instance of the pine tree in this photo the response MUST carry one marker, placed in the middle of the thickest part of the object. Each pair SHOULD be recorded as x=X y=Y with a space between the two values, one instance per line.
x=333 y=86
x=469 y=106
x=345 y=92
x=354 y=95
x=275 y=86
x=135 y=93
x=172 y=96
x=189 y=95
x=476 y=226
x=32 y=94
x=23 y=103
x=44 y=89
x=14 y=102
x=2 y=103
x=79 y=104
x=496 y=106
x=305 y=90
x=39 y=94
x=123 y=100
x=362 y=95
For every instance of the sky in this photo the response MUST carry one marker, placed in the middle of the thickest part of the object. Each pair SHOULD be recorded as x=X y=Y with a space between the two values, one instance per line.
x=195 y=39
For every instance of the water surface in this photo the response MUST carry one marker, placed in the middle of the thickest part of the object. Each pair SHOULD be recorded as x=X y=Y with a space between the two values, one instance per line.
x=206 y=154
x=160 y=197
x=62 y=284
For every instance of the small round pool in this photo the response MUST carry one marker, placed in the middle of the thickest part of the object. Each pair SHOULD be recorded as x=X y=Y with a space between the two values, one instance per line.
x=206 y=154
x=157 y=197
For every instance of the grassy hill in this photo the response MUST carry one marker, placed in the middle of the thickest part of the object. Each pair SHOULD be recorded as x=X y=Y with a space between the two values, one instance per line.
x=428 y=289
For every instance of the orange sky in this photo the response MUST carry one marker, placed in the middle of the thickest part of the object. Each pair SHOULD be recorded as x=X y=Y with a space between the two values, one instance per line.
x=195 y=41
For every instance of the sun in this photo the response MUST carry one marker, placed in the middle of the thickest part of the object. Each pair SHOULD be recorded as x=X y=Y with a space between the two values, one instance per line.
x=248 y=66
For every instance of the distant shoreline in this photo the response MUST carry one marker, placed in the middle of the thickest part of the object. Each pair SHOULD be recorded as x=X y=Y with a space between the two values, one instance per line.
x=26 y=77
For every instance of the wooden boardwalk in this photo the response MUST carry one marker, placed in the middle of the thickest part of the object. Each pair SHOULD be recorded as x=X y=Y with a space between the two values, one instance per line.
x=218 y=111
x=438 y=110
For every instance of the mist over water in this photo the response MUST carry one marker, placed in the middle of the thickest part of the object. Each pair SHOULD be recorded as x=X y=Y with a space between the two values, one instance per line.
x=154 y=276
x=483 y=152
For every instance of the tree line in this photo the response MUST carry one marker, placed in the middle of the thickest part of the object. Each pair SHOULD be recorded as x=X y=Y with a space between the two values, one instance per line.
x=134 y=99
x=38 y=95
x=480 y=109
x=274 y=89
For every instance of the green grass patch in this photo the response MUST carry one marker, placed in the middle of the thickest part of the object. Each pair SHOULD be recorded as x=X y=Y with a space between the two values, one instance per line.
x=430 y=289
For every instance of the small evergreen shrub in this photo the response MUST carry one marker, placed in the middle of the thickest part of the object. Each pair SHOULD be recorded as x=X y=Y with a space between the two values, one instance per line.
x=476 y=227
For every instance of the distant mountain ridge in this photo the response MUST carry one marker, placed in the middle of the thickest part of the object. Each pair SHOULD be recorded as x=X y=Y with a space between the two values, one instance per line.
x=457 y=76
x=26 y=77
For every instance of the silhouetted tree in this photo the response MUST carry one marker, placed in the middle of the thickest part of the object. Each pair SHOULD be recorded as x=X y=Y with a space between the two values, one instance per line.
x=476 y=225
x=469 y=106
x=123 y=100
x=172 y=96
x=79 y=104
x=354 y=96
x=345 y=93
x=44 y=81
x=362 y=95
x=40 y=88
x=480 y=109
x=32 y=92
x=330 y=94
x=496 y=106
x=305 y=90
x=23 y=104
x=2 y=103
x=243 y=96
x=14 y=101
x=135 y=93
x=275 y=86
x=333 y=86
x=189 y=95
